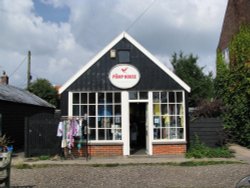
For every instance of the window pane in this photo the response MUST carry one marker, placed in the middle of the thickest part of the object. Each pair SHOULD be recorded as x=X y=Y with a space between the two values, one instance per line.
x=173 y=134
x=101 y=122
x=164 y=97
x=84 y=110
x=164 y=109
x=180 y=121
x=92 y=110
x=156 y=97
x=92 y=122
x=157 y=134
x=143 y=95
x=117 y=134
x=109 y=97
x=179 y=97
x=101 y=134
x=84 y=98
x=133 y=95
x=165 y=121
x=92 y=135
x=118 y=121
x=157 y=109
x=124 y=56
x=180 y=133
x=75 y=110
x=117 y=109
x=101 y=109
x=157 y=121
x=165 y=133
x=172 y=121
x=109 y=110
x=92 y=98
x=108 y=122
x=171 y=97
x=109 y=134
x=75 y=98
x=117 y=98
x=172 y=109
x=101 y=98
x=180 y=109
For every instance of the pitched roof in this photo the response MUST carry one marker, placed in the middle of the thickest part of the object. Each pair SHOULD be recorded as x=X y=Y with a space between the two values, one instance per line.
x=17 y=95
x=237 y=13
x=136 y=44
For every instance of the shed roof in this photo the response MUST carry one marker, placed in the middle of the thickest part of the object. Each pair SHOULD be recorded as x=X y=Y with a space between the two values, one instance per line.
x=17 y=95
x=136 y=44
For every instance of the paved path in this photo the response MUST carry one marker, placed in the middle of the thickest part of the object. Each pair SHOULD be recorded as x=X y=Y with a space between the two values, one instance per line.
x=241 y=153
x=75 y=176
x=77 y=173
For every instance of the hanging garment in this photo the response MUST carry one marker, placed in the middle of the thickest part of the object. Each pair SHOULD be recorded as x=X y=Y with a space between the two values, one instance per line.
x=71 y=132
x=60 y=129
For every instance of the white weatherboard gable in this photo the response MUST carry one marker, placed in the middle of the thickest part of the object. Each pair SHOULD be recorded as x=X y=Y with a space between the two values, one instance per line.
x=109 y=47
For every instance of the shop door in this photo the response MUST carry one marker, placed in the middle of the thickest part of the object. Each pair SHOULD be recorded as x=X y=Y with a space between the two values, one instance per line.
x=138 y=128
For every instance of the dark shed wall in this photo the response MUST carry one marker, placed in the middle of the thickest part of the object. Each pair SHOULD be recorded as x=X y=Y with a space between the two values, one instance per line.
x=96 y=77
x=13 y=119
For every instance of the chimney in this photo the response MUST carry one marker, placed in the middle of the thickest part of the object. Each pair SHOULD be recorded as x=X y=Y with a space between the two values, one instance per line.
x=4 y=79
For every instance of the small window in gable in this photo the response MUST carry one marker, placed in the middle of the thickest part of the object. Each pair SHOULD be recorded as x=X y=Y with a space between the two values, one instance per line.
x=124 y=56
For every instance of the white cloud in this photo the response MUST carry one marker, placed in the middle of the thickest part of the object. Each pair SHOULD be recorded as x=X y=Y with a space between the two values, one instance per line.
x=60 y=49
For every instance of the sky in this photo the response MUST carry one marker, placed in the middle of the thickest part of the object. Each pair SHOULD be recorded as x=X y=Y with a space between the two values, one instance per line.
x=63 y=35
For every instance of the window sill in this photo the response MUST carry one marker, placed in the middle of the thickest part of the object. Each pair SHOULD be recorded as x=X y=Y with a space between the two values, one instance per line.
x=102 y=143
x=174 y=142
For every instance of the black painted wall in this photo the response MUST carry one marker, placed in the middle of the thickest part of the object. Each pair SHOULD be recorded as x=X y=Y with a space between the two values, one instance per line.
x=13 y=119
x=96 y=77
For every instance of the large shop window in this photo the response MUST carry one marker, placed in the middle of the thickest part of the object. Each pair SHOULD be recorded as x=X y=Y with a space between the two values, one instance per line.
x=104 y=114
x=168 y=115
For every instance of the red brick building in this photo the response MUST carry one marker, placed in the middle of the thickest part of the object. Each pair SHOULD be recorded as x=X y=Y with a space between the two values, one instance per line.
x=237 y=14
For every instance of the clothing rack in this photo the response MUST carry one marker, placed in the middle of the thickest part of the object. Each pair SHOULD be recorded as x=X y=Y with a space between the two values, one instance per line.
x=85 y=131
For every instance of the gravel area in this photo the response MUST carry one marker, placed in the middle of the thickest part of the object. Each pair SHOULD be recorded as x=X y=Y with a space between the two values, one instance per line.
x=130 y=176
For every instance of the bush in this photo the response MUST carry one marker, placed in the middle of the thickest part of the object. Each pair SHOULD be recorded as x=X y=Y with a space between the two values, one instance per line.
x=209 y=109
x=200 y=150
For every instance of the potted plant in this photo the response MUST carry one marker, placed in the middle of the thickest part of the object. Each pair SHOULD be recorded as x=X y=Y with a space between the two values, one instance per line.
x=5 y=144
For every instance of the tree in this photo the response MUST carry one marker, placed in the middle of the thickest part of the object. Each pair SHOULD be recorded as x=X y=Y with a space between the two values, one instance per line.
x=232 y=86
x=187 y=69
x=44 y=89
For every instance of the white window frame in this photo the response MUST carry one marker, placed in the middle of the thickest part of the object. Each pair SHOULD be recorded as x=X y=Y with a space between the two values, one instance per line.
x=70 y=113
x=175 y=140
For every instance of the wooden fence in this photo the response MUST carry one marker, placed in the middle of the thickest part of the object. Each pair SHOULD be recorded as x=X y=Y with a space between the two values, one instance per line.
x=209 y=130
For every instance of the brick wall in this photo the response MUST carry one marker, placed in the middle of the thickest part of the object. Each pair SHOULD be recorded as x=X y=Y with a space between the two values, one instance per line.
x=237 y=13
x=100 y=151
x=161 y=149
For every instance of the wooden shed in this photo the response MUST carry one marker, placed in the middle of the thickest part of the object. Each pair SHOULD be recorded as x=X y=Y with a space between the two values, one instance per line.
x=15 y=105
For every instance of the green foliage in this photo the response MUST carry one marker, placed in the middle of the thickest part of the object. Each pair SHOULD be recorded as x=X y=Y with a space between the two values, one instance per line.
x=232 y=86
x=237 y=101
x=206 y=163
x=209 y=109
x=200 y=150
x=222 y=74
x=23 y=166
x=240 y=47
x=187 y=69
x=44 y=157
x=44 y=89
